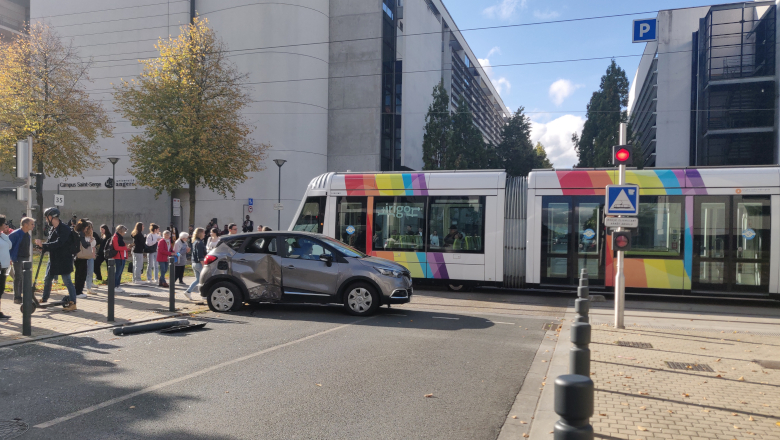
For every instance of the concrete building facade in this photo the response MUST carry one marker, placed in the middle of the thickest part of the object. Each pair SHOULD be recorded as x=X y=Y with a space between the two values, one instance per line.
x=705 y=93
x=336 y=85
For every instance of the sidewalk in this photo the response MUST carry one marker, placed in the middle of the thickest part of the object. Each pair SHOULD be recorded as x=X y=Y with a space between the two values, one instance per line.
x=641 y=396
x=91 y=313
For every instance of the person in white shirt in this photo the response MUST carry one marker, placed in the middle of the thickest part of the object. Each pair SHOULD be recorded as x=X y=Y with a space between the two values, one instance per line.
x=213 y=240
x=434 y=239
x=151 y=248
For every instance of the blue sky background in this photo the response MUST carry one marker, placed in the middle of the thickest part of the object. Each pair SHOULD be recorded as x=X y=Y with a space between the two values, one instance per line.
x=554 y=95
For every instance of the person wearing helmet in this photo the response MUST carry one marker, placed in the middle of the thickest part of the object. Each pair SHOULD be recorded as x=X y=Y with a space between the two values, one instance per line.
x=58 y=245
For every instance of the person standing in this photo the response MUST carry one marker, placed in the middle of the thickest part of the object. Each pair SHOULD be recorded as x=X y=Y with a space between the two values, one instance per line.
x=139 y=245
x=198 y=254
x=225 y=231
x=20 y=252
x=248 y=226
x=213 y=241
x=105 y=235
x=120 y=258
x=232 y=229
x=92 y=237
x=58 y=245
x=151 y=253
x=5 y=258
x=164 y=250
x=85 y=253
x=180 y=249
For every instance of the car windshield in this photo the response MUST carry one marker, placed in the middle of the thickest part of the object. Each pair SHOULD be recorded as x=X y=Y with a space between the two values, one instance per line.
x=347 y=251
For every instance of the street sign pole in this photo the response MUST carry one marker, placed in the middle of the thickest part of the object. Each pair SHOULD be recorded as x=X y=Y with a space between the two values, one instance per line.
x=620 y=278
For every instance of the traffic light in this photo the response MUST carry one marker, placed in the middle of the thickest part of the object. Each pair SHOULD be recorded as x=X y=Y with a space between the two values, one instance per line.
x=621 y=240
x=621 y=155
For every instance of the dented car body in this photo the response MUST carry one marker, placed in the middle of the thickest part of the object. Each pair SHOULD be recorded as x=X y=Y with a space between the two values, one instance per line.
x=299 y=267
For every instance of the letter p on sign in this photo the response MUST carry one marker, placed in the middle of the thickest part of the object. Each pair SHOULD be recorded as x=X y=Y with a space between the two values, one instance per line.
x=645 y=30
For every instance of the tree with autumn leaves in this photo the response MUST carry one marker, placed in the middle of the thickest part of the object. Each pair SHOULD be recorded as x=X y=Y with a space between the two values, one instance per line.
x=43 y=95
x=189 y=103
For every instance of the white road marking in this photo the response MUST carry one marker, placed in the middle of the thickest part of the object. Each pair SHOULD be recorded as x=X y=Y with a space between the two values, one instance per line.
x=147 y=390
x=499 y=322
x=444 y=317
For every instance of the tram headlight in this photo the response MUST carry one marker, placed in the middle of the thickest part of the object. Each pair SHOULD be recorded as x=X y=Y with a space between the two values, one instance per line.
x=389 y=272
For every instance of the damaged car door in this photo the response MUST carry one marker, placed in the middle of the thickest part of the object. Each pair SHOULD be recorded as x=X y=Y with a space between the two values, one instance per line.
x=259 y=266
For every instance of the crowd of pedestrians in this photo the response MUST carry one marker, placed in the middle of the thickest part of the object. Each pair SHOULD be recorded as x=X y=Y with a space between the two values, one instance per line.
x=75 y=246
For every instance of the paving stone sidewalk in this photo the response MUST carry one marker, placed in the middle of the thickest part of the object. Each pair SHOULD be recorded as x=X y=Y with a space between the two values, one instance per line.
x=641 y=396
x=91 y=313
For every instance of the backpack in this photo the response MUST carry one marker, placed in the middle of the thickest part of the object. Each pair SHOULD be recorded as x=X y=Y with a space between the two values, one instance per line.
x=75 y=242
x=108 y=249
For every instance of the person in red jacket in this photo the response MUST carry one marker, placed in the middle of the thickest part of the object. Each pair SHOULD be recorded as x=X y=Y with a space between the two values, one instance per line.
x=164 y=250
x=121 y=255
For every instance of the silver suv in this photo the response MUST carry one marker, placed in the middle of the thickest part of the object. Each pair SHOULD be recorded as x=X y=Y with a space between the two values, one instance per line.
x=299 y=267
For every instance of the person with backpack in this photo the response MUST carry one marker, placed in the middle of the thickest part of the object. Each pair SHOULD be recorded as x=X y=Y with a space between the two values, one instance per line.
x=60 y=244
x=83 y=256
x=164 y=250
x=139 y=246
x=151 y=253
x=120 y=255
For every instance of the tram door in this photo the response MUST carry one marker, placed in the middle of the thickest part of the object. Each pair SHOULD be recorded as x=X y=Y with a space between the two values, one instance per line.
x=731 y=243
x=572 y=239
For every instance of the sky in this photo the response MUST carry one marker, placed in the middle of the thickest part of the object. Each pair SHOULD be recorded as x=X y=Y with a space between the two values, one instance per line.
x=554 y=95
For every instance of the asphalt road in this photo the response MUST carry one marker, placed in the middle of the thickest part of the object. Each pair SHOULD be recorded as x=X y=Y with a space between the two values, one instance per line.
x=278 y=372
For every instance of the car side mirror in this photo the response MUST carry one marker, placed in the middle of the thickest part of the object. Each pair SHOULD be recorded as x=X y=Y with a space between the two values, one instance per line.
x=328 y=259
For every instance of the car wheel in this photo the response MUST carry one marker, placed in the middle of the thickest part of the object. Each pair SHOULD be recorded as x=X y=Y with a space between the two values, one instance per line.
x=361 y=299
x=224 y=297
x=456 y=287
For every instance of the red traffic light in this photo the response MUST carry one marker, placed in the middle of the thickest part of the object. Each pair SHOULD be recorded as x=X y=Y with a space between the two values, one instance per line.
x=621 y=155
x=621 y=241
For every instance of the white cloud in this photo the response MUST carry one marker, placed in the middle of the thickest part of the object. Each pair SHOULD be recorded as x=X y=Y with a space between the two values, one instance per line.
x=504 y=10
x=562 y=89
x=546 y=15
x=501 y=84
x=556 y=138
x=494 y=50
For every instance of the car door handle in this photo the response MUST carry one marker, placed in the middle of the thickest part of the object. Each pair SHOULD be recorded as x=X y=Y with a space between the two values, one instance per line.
x=291 y=267
x=241 y=259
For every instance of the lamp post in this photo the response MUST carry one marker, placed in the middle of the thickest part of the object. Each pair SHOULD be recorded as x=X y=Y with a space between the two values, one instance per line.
x=113 y=161
x=279 y=163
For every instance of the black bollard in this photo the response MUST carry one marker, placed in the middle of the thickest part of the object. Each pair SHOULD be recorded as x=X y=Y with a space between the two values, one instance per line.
x=172 y=292
x=574 y=403
x=27 y=297
x=579 y=355
x=111 y=265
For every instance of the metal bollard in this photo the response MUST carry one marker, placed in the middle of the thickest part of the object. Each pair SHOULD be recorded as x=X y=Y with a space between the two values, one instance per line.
x=574 y=403
x=27 y=297
x=579 y=355
x=111 y=265
x=172 y=292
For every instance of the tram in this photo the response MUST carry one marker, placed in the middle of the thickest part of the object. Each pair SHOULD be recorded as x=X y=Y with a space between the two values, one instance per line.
x=701 y=230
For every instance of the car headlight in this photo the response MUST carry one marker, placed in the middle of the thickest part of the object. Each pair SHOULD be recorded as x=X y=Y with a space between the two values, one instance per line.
x=389 y=272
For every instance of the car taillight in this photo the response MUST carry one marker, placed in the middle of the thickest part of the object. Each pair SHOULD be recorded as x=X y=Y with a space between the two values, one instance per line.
x=209 y=259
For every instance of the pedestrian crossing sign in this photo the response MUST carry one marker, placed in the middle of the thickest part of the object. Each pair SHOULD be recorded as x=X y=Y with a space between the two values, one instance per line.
x=622 y=200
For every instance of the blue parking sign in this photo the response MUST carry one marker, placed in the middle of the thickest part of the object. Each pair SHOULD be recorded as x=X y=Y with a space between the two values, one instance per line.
x=251 y=202
x=645 y=30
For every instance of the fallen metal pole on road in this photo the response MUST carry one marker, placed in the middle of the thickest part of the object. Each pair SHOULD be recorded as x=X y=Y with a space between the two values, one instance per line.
x=152 y=326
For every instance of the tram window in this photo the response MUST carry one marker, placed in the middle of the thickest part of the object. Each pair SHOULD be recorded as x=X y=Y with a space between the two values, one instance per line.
x=351 y=221
x=399 y=223
x=312 y=215
x=456 y=224
x=660 y=227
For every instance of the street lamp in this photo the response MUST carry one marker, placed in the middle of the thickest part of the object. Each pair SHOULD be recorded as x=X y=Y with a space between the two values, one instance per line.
x=279 y=163
x=113 y=161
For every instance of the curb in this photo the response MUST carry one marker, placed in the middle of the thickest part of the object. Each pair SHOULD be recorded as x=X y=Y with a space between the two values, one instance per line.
x=107 y=326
